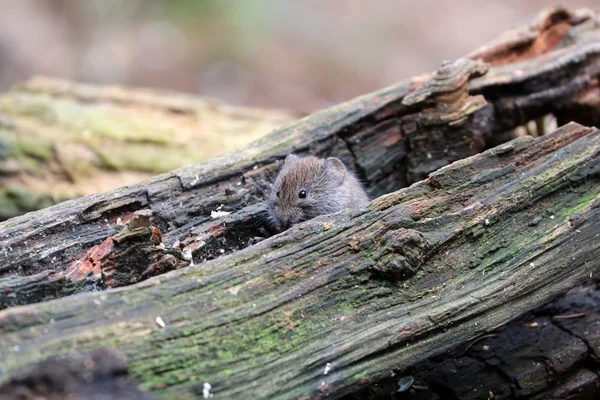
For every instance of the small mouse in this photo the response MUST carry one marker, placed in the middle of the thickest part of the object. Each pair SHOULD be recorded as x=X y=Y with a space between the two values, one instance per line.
x=308 y=186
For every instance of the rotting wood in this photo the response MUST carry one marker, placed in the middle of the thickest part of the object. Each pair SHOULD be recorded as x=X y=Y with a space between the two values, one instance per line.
x=421 y=270
x=390 y=138
x=536 y=357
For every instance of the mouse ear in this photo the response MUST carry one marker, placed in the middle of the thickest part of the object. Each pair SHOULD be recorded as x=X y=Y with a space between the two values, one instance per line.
x=336 y=168
x=290 y=158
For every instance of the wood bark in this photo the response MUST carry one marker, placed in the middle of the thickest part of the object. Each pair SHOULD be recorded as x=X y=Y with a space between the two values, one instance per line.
x=358 y=294
x=363 y=292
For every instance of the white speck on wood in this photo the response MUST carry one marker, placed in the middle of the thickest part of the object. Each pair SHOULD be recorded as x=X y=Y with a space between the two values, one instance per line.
x=234 y=290
x=206 y=390
x=219 y=214
x=160 y=322
x=187 y=254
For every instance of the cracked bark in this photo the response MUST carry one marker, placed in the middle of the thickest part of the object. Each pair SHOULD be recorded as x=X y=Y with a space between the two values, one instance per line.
x=486 y=235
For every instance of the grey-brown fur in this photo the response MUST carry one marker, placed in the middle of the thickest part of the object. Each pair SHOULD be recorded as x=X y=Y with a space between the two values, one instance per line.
x=329 y=186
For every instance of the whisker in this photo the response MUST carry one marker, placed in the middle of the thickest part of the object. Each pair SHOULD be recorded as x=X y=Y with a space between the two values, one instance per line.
x=253 y=182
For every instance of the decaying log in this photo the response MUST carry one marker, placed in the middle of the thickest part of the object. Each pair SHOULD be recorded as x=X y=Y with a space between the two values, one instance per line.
x=391 y=138
x=343 y=300
x=550 y=353
x=60 y=140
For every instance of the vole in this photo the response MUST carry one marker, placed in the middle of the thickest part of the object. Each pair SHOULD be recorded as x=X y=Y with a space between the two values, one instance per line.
x=310 y=186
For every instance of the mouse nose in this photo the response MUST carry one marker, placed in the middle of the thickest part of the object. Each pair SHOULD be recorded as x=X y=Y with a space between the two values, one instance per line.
x=284 y=223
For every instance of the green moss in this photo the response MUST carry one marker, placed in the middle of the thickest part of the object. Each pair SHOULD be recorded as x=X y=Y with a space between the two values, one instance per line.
x=359 y=375
x=32 y=148
x=150 y=158
x=581 y=203
x=87 y=120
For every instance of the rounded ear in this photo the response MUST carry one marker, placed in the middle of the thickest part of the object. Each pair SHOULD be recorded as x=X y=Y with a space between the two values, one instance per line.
x=336 y=168
x=290 y=158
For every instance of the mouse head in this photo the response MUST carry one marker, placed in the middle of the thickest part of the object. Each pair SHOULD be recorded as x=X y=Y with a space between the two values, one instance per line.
x=305 y=187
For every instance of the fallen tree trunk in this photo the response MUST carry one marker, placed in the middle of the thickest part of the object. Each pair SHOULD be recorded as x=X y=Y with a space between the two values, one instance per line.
x=61 y=140
x=391 y=138
x=356 y=294
x=563 y=336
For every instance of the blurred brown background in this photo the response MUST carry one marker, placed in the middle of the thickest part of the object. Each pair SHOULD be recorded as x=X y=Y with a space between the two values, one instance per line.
x=290 y=54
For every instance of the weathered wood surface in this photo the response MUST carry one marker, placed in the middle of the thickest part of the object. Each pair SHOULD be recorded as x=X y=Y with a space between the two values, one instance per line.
x=550 y=353
x=358 y=293
x=391 y=138
x=60 y=140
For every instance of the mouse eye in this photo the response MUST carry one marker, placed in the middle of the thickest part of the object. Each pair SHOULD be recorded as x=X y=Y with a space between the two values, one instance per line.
x=302 y=194
x=278 y=194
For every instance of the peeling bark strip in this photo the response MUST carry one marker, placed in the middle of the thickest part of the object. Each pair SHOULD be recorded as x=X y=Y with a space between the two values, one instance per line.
x=357 y=293
x=391 y=138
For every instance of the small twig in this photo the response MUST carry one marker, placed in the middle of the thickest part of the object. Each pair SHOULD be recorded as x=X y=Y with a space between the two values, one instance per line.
x=570 y=316
x=480 y=338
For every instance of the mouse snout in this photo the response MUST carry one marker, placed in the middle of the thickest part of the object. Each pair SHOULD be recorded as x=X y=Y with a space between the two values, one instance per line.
x=283 y=223
x=285 y=220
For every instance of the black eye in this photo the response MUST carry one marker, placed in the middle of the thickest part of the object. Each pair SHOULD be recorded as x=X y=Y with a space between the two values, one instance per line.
x=302 y=194
x=278 y=194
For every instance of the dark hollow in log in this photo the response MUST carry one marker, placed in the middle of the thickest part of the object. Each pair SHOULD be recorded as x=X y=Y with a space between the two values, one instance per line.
x=356 y=294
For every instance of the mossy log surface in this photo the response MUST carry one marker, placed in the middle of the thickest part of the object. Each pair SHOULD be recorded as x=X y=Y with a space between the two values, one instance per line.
x=356 y=294
x=391 y=138
x=60 y=140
